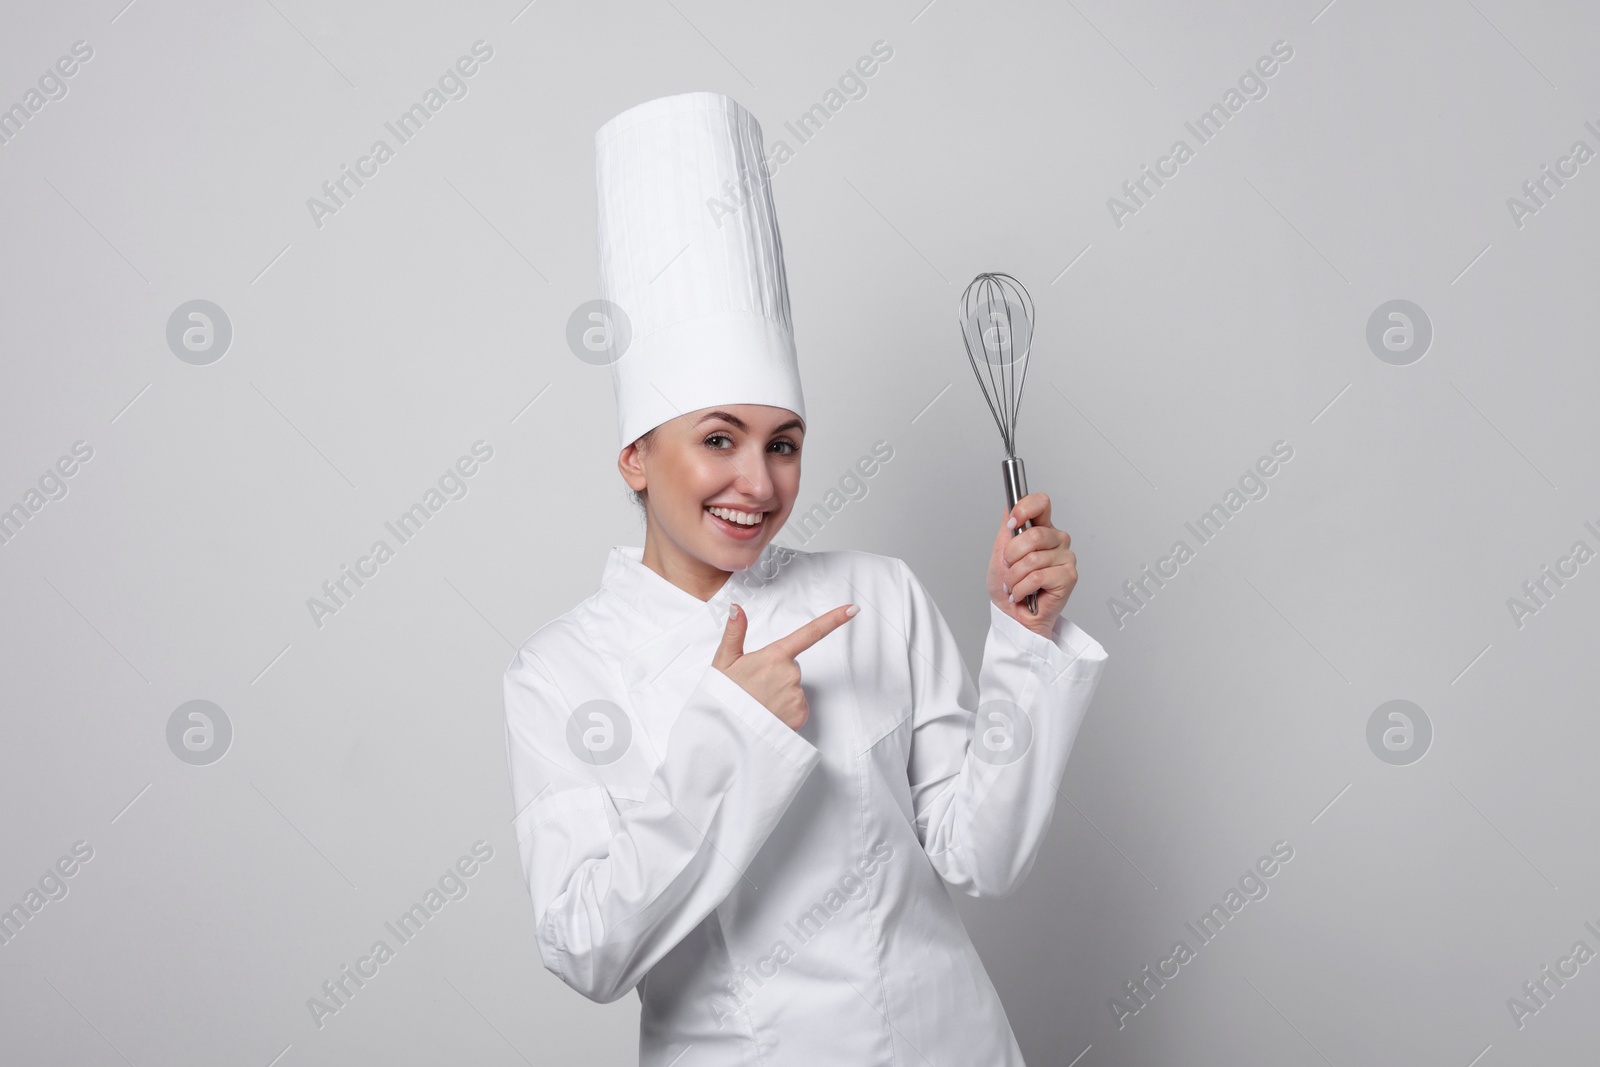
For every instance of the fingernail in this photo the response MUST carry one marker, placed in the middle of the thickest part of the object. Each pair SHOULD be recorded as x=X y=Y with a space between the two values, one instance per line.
x=850 y=612
x=1011 y=523
x=733 y=612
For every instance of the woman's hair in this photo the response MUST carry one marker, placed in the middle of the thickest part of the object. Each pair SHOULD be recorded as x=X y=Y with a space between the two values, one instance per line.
x=638 y=497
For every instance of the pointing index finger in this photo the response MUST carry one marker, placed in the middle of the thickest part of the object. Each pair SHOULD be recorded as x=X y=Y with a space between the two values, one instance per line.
x=815 y=630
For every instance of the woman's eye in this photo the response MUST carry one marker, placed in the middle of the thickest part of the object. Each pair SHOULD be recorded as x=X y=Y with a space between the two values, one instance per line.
x=718 y=437
x=788 y=447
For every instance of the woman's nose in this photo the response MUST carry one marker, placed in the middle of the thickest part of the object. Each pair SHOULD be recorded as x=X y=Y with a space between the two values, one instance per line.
x=754 y=480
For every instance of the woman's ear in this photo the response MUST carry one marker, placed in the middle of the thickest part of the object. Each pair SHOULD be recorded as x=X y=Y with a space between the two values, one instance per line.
x=630 y=464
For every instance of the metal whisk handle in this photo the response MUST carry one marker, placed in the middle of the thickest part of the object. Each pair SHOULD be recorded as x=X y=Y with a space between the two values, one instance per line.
x=1016 y=478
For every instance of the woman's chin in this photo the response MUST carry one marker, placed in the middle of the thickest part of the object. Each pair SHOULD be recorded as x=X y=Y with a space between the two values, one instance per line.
x=735 y=557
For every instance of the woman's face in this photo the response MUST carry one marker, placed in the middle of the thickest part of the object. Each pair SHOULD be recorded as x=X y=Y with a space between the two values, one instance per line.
x=739 y=460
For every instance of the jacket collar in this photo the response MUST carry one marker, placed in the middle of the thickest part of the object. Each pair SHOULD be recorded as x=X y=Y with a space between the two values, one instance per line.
x=669 y=621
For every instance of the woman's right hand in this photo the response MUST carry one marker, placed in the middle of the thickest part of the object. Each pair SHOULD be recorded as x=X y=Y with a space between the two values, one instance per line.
x=770 y=674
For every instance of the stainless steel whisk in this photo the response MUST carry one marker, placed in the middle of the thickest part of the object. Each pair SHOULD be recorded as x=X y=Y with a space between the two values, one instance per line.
x=996 y=317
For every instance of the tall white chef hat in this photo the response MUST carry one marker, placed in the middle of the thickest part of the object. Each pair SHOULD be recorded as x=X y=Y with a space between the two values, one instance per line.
x=690 y=253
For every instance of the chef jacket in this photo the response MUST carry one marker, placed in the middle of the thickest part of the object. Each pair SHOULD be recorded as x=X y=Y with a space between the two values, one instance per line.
x=776 y=896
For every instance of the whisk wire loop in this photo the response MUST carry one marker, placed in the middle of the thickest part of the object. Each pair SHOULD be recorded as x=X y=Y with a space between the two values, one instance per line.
x=996 y=319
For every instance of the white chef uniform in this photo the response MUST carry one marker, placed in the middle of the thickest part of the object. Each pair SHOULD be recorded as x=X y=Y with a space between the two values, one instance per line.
x=777 y=897
x=718 y=864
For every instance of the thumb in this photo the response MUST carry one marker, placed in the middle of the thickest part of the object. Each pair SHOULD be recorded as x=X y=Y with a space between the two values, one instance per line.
x=732 y=646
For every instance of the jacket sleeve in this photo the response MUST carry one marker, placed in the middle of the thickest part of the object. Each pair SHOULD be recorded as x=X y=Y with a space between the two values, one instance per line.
x=614 y=892
x=986 y=762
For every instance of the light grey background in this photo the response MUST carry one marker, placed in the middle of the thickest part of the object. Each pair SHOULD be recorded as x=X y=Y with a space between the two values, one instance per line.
x=1228 y=313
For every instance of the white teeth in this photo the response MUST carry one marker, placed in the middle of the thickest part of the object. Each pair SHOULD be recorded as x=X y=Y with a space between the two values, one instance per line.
x=741 y=518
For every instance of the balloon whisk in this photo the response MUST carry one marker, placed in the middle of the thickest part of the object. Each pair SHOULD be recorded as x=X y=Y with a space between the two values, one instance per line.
x=996 y=317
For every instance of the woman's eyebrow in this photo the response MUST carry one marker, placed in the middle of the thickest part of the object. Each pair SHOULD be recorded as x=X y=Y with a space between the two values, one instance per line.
x=735 y=420
x=739 y=424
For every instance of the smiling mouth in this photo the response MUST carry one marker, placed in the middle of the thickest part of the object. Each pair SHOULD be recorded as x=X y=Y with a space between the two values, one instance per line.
x=736 y=520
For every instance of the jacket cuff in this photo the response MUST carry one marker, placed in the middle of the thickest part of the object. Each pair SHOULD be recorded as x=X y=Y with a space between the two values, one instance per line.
x=755 y=717
x=1068 y=650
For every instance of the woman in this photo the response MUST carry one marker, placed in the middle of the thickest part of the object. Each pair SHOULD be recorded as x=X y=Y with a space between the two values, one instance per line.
x=744 y=775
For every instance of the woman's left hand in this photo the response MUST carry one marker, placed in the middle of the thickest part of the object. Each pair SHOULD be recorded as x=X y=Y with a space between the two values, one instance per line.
x=1037 y=560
